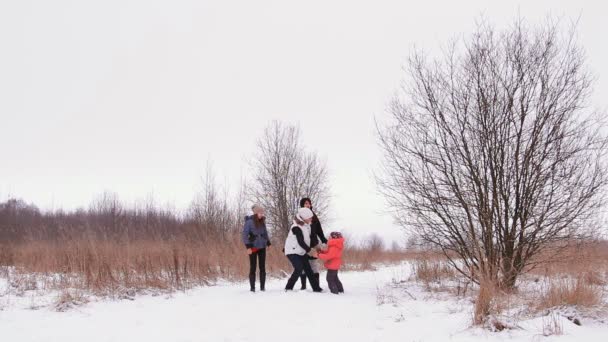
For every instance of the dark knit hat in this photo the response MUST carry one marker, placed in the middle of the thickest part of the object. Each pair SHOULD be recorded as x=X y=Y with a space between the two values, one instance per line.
x=336 y=235
x=304 y=200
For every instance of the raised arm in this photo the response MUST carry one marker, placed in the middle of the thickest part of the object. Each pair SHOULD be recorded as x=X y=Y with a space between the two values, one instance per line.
x=320 y=231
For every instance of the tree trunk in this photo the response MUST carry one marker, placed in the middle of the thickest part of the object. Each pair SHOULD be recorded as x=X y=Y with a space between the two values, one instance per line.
x=509 y=271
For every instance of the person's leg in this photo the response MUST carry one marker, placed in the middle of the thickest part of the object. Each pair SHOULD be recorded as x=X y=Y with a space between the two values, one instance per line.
x=339 y=283
x=331 y=281
x=314 y=266
x=296 y=262
x=262 y=262
x=252 y=267
x=311 y=278
x=303 y=281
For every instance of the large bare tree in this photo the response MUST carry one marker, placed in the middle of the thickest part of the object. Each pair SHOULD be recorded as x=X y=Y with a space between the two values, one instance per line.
x=491 y=152
x=283 y=172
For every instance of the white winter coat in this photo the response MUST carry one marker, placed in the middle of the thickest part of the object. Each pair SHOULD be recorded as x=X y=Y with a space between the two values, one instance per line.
x=291 y=243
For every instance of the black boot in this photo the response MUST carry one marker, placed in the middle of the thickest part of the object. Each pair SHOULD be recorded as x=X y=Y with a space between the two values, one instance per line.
x=314 y=282
x=252 y=282
x=316 y=276
x=303 y=281
x=262 y=281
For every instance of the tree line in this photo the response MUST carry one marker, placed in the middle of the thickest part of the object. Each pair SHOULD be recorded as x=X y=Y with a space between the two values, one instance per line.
x=283 y=172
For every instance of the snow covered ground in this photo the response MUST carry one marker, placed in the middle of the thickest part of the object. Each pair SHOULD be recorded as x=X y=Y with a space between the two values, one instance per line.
x=378 y=306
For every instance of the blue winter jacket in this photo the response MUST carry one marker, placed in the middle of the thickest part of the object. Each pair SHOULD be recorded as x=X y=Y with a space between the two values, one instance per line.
x=255 y=236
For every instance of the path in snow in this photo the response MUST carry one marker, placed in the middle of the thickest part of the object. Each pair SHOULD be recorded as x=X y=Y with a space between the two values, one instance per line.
x=232 y=313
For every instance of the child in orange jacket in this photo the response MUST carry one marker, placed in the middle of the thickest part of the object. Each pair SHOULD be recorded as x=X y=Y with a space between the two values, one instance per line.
x=333 y=261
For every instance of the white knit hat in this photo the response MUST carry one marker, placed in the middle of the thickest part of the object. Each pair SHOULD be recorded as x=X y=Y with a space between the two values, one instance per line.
x=305 y=213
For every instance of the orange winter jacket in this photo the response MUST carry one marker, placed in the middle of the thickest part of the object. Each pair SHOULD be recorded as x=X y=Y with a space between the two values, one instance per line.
x=333 y=255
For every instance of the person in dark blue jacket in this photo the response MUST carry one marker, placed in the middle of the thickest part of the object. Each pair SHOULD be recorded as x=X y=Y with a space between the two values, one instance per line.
x=256 y=240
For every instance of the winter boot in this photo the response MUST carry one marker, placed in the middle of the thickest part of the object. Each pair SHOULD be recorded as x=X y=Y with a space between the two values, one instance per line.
x=303 y=281
x=314 y=283
x=262 y=281
x=340 y=287
x=316 y=276
x=252 y=282
x=318 y=281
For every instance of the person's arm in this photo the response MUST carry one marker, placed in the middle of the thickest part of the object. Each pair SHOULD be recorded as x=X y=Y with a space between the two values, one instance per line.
x=331 y=253
x=246 y=232
x=320 y=231
x=268 y=244
x=300 y=237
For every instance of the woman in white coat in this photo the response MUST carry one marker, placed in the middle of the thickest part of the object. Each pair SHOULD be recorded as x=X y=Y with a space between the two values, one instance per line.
x=297 y=247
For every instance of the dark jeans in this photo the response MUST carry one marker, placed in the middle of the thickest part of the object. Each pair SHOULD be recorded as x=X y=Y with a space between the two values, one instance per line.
x=253 y=261
x=311 y=260
x=300 y=263
x=334 y=283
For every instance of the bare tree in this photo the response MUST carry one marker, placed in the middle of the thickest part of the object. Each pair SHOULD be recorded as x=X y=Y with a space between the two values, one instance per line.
x=374 y=243
x=491 y=153
x=211 y=209
x=110 y=212
x=283 y=173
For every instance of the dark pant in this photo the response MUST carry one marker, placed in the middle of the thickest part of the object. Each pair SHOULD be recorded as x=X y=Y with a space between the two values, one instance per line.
x=303 y=275
x=300 y=263
x=303 y=279
x=334 y=283
x=260 y=256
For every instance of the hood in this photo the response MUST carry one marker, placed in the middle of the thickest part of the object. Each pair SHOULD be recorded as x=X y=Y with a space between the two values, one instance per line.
x=339 y=243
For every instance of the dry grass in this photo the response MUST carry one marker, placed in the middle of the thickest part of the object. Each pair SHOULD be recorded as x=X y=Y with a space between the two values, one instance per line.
x=576 y=277
x=105 y=267
x=586 y=257
x=552 y=325
x=570 y=292
x=483 y=303
x=113 y=249
x=594 y=278
x=491 y=304
x=385 y=296
x=69 y=299
x=109 y=268
x=432 y=271
x=360 y=259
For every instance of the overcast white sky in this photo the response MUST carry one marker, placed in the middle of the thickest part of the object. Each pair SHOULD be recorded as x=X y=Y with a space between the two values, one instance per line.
x=135 y=97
